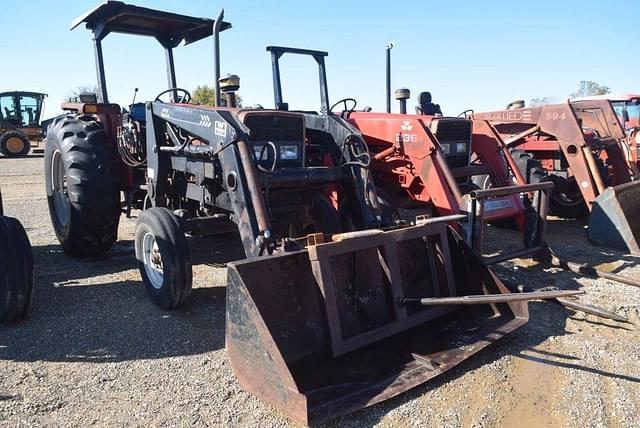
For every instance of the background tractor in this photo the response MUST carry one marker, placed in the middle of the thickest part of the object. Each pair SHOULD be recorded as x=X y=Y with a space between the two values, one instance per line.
x=20 y=114
x=16 y=269
x=582 y=148
x=329 y=285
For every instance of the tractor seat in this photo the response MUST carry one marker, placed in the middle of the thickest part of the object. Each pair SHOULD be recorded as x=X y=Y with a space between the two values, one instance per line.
x=426 y=106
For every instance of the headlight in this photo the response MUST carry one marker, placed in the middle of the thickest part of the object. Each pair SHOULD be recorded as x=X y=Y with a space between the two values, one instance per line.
x=461 y=148
x=257 y=151
x=288 y=152
x=446 y=148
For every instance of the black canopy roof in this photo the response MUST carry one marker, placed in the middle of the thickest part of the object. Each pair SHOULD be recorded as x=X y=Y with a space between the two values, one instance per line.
x=23 y=93
x=169 y=28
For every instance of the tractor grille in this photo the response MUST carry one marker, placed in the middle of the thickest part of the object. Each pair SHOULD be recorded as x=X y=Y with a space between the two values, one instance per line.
x=275 y=128
x=454 y=132
x=277 y=140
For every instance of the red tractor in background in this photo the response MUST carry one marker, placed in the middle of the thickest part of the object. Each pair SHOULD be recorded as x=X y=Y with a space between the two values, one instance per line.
x=429 y=165
x=425 y=165
x=582 y=148
x=627 y=108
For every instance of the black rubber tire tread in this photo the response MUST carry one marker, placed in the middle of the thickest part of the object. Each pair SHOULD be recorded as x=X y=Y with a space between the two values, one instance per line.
x=8 y=298
x=1 y=206
x=25 y=140
x=92 y=186
x=559 y=209
x=534 y=173
x=21 y=261
x=174 y=250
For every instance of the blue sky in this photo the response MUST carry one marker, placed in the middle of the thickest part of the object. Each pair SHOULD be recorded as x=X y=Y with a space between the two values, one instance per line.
x=469 y=54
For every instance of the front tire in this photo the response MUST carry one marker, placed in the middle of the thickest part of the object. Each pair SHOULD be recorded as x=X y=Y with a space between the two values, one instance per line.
x=16 y=271
x=163 y=257
x=82 y=191
x=15 y=144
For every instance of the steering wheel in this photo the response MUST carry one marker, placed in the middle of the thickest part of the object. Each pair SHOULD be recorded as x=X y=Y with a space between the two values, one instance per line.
x=184 y=98
x=466 y=113
x=344 y=101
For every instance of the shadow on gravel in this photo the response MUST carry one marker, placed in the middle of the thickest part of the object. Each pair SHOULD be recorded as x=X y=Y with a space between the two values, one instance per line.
x=578 y=367
x=98 y=310
x=546 y=320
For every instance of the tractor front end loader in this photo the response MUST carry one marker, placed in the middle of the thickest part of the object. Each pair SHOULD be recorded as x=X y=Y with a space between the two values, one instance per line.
x=16 y=269
x=582 y=148
x=326 y=314
x=354 y=331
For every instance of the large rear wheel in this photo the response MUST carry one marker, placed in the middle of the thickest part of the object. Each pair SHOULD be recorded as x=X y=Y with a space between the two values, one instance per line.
x=82 y=189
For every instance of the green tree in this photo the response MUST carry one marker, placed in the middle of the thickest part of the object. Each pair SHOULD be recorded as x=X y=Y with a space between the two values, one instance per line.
x=206 y=95
x=73 y=96
x=587 y=88
x=539 y=102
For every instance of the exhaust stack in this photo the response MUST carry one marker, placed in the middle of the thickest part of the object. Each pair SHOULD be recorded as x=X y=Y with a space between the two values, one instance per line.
x=388 y=90
x=216 y=54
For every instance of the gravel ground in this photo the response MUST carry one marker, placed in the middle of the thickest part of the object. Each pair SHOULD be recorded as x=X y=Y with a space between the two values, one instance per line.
x=97 y=352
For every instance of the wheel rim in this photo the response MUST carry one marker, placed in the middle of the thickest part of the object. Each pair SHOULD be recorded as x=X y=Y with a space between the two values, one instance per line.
x=152 y=260
x=15 y=145
x=60 y=196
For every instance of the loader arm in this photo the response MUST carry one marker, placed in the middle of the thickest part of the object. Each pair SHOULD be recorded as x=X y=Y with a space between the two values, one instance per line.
x=561 y=122
x=592 y=141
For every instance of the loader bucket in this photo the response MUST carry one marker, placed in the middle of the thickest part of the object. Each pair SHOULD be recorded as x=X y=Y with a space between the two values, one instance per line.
x=322 y=332
x=615 y=218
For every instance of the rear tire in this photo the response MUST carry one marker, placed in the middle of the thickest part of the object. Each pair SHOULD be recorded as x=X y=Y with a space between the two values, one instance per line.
x=163 y=257
x=82 y=190
x=16 y=271
x=15 y=144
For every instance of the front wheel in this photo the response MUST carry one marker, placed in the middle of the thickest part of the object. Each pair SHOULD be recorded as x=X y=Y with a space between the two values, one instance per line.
x=163 y=257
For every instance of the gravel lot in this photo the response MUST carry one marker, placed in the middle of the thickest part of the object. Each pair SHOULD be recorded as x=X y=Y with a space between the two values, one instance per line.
x=97 y=352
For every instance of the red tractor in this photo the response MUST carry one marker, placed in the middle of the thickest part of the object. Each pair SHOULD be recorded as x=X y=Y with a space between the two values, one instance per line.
x=429 y=165
x=627 y=108
x=582 y=148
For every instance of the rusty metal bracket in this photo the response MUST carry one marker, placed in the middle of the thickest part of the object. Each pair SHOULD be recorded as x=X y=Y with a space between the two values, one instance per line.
x=474 y=235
